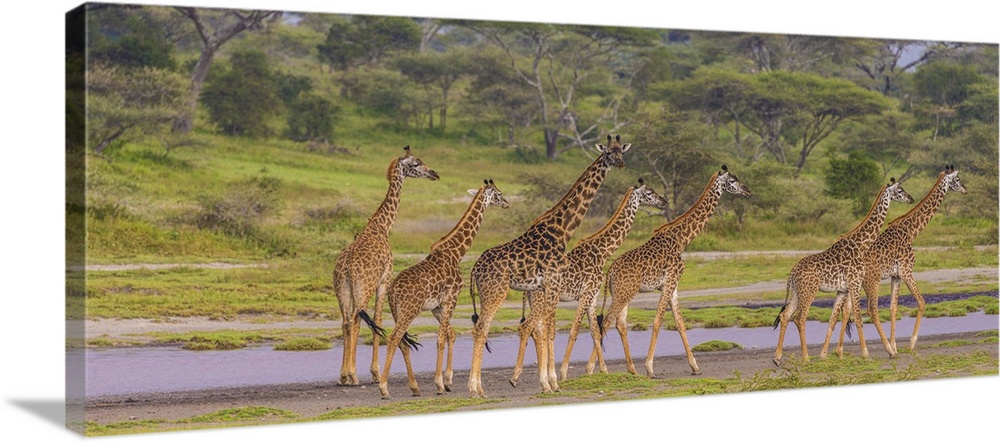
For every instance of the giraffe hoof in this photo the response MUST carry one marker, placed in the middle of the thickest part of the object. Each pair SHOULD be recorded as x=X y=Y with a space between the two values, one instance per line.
x=447 y=388
x=513 y=383
x=696 y=373
x=777 y=362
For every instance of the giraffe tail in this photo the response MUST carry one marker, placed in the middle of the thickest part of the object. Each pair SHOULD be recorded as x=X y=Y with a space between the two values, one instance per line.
x=600 y=316
x=524 y=306
x=411 y=342
x=788 y=293
x=475 y=316
x=849 y=322
x=371 y=323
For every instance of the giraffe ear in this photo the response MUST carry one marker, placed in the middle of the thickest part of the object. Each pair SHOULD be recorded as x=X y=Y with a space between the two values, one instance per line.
x=625 y=147
x=600 y=147
x=473 y=192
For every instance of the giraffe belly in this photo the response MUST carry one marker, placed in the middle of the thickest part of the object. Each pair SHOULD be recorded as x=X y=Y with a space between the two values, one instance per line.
x=527 y=285
x=834 y=285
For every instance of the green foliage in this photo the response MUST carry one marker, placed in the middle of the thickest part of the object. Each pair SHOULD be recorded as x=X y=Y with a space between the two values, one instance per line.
x=715 y=345
x=243 y=98
x=125 y=104
x=311 y=118
x=131 y=38
x=856 y=178
x=366 y=39
x=243 y=414
x=304 y=344
x=240 y=211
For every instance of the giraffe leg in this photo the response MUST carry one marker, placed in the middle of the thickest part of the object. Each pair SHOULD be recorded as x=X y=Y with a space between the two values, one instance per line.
x=379 y=304
x=838 y=304
x=411 y=381
x=855 y=298
x=800 y=324
x=445 y=338
x=622 y=325
x=845 y=317
x=870 y=287
x=395 y=340
x=661 y=308
x=534 y=327
x=595 y=334
x=676 y=310
x=893 y=305
x=345 y=328
x=784 y=317
x=911 y=284
x=574 y=329
x=352 y=368
x=491 y=298
x=550 y=333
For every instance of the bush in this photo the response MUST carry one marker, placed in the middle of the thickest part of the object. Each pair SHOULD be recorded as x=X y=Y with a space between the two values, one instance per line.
x=239 y=212
x=855 y=178
x=311 y=118
x=244 y=97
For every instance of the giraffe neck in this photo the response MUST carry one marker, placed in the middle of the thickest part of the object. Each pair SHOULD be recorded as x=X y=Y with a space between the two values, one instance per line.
x=606 y=240
x=686 y=227
x=459 y=239
x=385 y=215
x=914 y=221
x=867 y=230
x=567 y=214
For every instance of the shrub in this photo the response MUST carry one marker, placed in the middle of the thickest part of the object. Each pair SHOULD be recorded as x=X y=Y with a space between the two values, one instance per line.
x=855 y=178
x=239 y=211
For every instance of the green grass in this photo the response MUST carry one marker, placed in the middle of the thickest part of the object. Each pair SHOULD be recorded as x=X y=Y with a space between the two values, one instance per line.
x=304 y=344
x=243 y=414
x=715 y=345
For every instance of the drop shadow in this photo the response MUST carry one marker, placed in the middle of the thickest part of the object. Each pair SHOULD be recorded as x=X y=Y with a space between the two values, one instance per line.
x=51 y=410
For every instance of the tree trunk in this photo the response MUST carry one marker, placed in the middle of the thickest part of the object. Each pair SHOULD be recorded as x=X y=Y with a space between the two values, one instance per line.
x=185 y=123
x=551 y=141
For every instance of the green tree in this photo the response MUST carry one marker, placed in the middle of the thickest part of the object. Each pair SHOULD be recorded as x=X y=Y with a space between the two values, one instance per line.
x=311 y=117
x=555 y=61
x=437 y=73
x=364 y=39
x=888 y=139
x=215 y=27
x=943 y=88
x=131 y=37
x=673 y=153
x=126 y=103
x=496 y=96
x=855 y=178
x=243 y=98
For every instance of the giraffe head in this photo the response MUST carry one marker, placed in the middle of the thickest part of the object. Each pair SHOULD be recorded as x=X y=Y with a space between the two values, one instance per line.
x=648 y=197
x=492 y=195
x=612 y=154
x=896 y=193
x=731 y=184
x=413 y=167
x=952 y=181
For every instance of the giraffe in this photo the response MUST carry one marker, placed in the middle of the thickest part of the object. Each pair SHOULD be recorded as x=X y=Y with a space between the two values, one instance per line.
x=534 y=261
x=891 y=256
x=433 y=284
x=657 y=265
x=584 y=274
x=365 y=266
x=836 y=269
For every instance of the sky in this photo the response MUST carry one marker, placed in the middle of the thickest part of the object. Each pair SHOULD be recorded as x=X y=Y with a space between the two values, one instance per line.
x=32 y=240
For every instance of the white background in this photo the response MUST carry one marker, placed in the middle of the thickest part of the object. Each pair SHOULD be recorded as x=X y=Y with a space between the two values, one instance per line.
x=31 y=246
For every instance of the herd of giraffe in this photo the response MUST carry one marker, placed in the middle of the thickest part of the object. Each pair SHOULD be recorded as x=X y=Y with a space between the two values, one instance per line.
x=537 y=264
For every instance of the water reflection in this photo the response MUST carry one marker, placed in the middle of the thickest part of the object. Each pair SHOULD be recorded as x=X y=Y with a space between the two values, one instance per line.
x=147 y=370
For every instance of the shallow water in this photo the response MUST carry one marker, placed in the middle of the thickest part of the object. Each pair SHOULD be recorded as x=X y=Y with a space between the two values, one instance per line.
x=148 y=370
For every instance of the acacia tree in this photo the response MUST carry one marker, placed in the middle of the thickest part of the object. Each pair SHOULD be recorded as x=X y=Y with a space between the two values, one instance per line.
x=123 y=103
x=496 y=96
x=363 y=39
x=781 y=109
x=560 y=59
x=215 y=28
x=673 y=152
x=434 y=70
